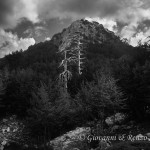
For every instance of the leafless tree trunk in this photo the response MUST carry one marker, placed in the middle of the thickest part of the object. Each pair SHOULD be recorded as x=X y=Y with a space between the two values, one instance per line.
x=72 y=54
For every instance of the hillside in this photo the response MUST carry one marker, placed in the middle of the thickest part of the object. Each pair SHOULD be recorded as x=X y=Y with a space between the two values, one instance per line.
x=41 y=62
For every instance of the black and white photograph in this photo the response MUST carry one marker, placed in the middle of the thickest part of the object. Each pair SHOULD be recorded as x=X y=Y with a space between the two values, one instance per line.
x=74 y=74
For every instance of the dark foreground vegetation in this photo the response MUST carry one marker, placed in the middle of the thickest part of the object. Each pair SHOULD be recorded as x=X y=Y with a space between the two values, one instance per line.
x=115 y=78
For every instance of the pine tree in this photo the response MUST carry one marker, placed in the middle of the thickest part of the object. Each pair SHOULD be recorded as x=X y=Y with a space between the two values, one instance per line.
x=67 y=111
x=41 y=104
x=41 y=113
x=111 y=94
x=2 y=92
x=101 y=97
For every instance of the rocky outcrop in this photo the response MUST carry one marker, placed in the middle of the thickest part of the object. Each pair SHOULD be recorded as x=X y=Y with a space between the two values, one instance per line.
x=72 y=140
x=11 y=131
x=92 y=32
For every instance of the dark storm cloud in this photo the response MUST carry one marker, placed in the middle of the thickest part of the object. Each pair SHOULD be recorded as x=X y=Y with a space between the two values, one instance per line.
x=91 y=7
x=21 y=27
x=12 y=13
x=78 y=8
x=47 y=29
x=55 y=25
x=6 y=9
x=37 y=10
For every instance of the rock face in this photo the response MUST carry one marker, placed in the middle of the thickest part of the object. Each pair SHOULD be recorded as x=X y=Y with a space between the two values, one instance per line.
x=95 y=38
x=72 y=140
x=11 y=133
x=11 y=129
x=92 y=32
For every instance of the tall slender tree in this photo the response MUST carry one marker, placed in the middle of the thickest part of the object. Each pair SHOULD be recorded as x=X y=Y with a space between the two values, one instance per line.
x=66 y=74
x=72 y=50
x=77 y=52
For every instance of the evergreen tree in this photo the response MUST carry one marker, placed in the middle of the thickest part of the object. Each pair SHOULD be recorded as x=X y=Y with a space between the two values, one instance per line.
x=41 y=112
x=101 y=97
x=40 y=102
x=2 y=93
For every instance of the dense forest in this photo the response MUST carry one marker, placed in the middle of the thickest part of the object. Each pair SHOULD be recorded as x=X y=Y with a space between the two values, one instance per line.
x=80 y=77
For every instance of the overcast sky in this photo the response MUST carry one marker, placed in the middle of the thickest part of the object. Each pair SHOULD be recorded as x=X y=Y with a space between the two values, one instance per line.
x=25 y=22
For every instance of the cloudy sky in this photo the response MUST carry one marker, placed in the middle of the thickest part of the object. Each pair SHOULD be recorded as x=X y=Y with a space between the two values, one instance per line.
x=26 y=22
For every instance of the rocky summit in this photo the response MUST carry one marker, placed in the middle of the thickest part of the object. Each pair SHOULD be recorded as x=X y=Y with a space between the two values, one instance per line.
x=92 y=32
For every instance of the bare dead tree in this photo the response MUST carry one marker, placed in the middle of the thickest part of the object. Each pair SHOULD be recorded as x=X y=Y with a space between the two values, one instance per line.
x=66 y=74
x=72 y=50
x=77 y=53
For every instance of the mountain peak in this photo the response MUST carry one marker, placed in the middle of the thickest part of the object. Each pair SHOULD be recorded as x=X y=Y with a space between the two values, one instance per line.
x=92 y=32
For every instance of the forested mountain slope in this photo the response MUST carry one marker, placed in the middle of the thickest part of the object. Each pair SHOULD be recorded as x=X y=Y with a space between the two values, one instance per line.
x=114 y=78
